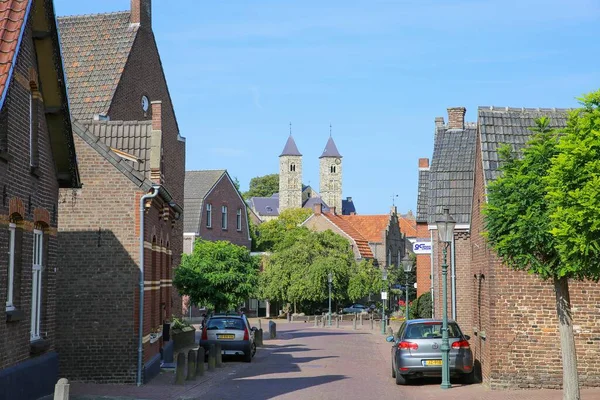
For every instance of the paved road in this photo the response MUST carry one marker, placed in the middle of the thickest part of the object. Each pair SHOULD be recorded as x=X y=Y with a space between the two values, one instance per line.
x=316 y=363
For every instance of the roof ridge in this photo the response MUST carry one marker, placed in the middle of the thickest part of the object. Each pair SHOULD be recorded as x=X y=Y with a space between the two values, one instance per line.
x=207 y=170
x=116 y=122
x=111 y=13
x=522 y=109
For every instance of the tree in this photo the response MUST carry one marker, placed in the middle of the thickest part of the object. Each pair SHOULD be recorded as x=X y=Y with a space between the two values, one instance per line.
x=263 y=186
x=219 y=275
x=365 y=279
x=518 y=225
x=273 y=232
x=236 y=183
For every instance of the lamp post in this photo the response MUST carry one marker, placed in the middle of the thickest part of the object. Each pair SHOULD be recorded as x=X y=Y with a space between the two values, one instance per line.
x=383 y=299
x=407 y=264
x=445 y=228
x=329 y=279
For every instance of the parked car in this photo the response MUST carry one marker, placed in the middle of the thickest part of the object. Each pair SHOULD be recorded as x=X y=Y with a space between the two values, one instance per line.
x=234 y=334
x=355 y=309
x=417 y=351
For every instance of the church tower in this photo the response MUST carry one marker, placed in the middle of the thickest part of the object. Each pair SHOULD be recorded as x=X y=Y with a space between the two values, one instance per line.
x=330 y=176
x=290 y=176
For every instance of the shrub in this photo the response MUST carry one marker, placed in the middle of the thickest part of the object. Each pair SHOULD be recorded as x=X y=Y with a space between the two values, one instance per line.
x=421 y=308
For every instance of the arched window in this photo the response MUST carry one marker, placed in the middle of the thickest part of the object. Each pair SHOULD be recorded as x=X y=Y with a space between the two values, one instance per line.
x=292 y=167
x=332 y=169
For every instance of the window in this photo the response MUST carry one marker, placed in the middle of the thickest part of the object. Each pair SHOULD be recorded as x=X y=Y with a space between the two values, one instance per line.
x=292 y=167
x=224 y=217
x=11 y=266
x=36 y=295
x=332 y=169
x=209 y=215
x=238 y=219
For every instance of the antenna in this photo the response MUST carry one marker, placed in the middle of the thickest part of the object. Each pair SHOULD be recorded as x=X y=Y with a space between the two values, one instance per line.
x=290 y=129
x=393 y=199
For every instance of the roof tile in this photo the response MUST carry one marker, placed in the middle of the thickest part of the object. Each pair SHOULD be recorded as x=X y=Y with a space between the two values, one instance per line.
x=12 y=16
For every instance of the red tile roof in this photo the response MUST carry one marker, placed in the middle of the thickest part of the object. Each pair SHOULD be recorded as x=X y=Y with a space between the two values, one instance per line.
x=12 y=16
x=408 y=226
x=361 y=242
x=371 y=227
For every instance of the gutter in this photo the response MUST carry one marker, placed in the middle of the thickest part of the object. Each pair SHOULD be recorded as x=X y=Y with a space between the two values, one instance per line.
x=453 y=279
x=166 y=196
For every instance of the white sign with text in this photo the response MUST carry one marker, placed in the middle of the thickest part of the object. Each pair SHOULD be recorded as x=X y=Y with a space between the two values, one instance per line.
x=422 y=247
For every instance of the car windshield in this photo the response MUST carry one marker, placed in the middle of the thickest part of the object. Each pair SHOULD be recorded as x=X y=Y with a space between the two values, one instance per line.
x=225 y=323
x=430 y=330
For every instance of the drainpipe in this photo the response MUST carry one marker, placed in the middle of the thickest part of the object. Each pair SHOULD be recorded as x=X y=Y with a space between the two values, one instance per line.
x=432 y=286
x=155 y=191
x=453 y=278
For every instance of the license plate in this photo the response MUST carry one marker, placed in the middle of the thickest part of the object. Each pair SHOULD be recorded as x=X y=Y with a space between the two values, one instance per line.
x=226 y=336
x=433 y=362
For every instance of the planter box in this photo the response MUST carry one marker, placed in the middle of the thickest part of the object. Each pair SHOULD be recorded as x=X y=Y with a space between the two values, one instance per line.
x=183 y=338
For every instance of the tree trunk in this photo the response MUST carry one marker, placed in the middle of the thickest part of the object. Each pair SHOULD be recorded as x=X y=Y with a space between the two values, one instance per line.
x=295 y=309
x=567 y=339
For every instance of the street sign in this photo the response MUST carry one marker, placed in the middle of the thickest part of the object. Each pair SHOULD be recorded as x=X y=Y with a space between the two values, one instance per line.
x=383 y=295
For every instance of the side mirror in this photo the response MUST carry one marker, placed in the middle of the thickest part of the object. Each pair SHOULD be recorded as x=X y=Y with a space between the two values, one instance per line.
x=390 y=339
x=467 y=337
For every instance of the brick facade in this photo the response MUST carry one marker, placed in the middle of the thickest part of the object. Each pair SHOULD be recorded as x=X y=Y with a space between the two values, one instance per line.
x=517 y=343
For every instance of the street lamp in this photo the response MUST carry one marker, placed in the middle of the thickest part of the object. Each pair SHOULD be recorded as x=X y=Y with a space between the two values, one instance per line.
x=407 y=264
x=383 y=299
x=329 y=279
x=445 y=228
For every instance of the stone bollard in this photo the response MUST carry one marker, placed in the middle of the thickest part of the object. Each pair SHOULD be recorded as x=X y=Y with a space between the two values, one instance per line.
x=361 y=319
x=372 y=323
x=390 y=331
x=258 y=337
x=219 y=359
x=354 y=324
x=259 y=324
x=180 y=369
x=337 y=322
x=61 y=389
x=212 y=357
x=191 y=367
x=200 y=361
x=272 y=330
x=315 y=321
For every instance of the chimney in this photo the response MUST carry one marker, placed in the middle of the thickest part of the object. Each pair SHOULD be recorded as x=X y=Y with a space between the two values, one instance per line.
x=393 y=210
x=456 y=117
x=349 y=199
x=318 y=208
x=423 y=164
x=439 y=121
x=157 y=115
x=141 y=13
x=332 y=209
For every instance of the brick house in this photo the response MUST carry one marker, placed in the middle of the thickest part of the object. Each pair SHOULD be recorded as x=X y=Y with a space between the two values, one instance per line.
x=129 y=146
x=37 y=157
x=516 y=341
x=216 y=211
x=422 y=244
x=451 y=186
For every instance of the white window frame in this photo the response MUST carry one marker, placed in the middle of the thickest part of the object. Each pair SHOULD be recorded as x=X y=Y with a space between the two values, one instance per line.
x=36 y=283
x=209 y=215
x=12 y=232
x=238 y=219
x=223 y=217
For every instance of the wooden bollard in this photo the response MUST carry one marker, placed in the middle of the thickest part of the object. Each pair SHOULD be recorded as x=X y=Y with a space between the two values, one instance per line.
x=212 y=357
x=180 y=369
x=61 y=389
x=372 y=322
x=191 y=367
x=219 y=359
x=258 y=338
x=337 y=322
x=259 y=324
x=200 y=361
x=361 y=320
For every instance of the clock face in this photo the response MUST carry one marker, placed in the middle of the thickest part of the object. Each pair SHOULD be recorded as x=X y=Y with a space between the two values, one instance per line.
x=145 y=103
x=337 y=161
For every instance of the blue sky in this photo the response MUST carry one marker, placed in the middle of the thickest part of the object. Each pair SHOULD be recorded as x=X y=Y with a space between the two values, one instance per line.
x=240 y=71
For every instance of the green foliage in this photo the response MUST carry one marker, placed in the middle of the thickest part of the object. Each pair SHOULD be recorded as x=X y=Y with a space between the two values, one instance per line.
x=236 y=183
x=364 y=279
x=178 y=323
x=274 y=233
x=219 y=275
x=298 y=271
x=421 y=307
x=517 y=218
x=263 y=186
x=574 y=192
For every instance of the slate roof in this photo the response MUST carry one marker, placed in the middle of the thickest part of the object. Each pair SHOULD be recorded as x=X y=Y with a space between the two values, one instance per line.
x=310 y=203
x=361 y=242
x=348 y=206
x=423 y=195
x=95 y=50
x=451 y=173
x=290 y=148
x=12 y=16
x=500 y=125
x=197 y=186
x=265 y=206
x=131 y=137
x=330 y=149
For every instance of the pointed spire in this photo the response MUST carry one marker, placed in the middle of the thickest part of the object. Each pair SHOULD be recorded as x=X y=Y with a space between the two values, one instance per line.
x=290 y=148
x=330 y=149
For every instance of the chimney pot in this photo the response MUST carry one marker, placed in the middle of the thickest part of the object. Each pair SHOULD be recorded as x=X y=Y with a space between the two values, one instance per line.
x=318 y=208
x=141 y=13
x=456 y=117
x=424 y=163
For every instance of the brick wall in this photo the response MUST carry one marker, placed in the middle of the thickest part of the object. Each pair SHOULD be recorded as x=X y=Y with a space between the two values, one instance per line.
x=423 y=263
x=225 y=194
x=33 y=192
x=517 y=314
x=143 y=75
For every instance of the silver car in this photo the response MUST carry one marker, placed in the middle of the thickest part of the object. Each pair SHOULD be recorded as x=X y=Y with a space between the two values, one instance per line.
x=234 y=334
x=417 y=351
x=355 y=309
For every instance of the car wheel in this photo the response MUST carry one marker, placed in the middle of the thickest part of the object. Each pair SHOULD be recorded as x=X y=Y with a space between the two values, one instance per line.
x=253 y=349
x=248 y=355
x=393 y=370
x=469 y=378
x=400 y=380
